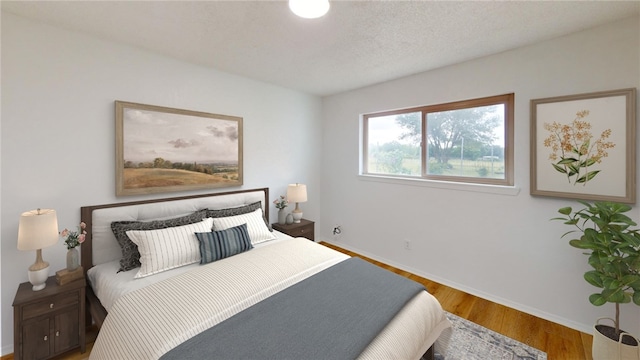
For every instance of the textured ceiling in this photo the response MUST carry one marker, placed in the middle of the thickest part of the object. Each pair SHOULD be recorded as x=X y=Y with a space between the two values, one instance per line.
x=357 y=43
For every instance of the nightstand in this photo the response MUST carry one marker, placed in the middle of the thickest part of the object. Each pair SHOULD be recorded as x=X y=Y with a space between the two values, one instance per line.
x=49 y=322
x=305 y=228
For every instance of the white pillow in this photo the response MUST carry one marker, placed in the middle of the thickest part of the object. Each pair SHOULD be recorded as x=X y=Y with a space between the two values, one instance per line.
x=257 y=229
x=169 y=248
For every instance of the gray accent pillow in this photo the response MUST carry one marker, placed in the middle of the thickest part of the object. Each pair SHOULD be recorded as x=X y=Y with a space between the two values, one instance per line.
x=240 y=210
x=221 y=244
x=130 y=254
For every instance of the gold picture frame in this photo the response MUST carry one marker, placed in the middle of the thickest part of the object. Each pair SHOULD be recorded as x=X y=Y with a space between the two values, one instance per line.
x=161 y=149
x=583 y=146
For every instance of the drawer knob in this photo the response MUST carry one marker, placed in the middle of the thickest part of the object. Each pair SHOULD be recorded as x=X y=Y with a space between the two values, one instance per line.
x=302 y=231
x=46 y=338
x=57 y=333
x=51 y=306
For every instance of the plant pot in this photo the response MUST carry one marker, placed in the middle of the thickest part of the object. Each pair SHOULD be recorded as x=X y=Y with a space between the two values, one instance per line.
x=282 y=217
x=605 y=348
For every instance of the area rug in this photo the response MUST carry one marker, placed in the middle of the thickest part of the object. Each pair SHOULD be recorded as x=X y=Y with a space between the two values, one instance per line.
x=471 y=341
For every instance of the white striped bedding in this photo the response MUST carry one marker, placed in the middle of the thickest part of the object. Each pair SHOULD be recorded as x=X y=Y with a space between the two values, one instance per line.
x=148 y=322
x=109 y=285
x=140 y=326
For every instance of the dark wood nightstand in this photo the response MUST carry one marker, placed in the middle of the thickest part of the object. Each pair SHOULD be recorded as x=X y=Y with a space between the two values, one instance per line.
x=49 y=322
x=305 y=228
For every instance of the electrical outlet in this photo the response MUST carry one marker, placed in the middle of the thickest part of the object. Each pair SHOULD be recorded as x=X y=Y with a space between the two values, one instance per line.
x=337 y=231
x=407 y=244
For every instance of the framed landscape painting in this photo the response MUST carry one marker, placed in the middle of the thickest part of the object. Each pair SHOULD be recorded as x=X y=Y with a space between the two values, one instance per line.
x=583 y=146
x=160 y=149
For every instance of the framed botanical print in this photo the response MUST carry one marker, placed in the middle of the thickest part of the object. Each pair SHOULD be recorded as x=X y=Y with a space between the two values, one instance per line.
x=583 y=146
x=161 y=149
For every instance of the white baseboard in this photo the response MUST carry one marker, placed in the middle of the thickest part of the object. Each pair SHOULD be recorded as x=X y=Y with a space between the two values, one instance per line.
x=7 y=349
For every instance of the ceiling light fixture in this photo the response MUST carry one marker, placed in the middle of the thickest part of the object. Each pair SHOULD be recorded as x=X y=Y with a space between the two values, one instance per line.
x=309 y=9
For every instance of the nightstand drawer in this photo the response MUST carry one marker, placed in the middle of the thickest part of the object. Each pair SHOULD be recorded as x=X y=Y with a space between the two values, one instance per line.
x=302 y=231
x=49 y=305
x=305 y=228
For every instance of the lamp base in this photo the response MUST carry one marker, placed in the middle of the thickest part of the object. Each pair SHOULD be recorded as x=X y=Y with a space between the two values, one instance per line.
x=38 y=278
x=296 y=216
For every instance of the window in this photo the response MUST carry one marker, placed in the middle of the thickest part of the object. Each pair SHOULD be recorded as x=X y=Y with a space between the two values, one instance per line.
x=465 y=141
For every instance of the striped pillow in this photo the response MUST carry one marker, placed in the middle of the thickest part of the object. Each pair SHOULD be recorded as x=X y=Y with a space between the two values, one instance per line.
x=218 y=213
x=218 y=245
x=166 y=249
x=130 y=255
x=258 y=231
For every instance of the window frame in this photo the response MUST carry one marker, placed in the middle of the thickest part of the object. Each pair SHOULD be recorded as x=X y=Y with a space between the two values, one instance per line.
x=508 y=100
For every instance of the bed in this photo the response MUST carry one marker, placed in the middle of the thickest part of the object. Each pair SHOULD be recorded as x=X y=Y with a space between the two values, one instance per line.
x=213 y=280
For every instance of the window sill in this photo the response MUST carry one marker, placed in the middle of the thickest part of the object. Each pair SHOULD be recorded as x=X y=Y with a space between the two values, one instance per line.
x=492 y=189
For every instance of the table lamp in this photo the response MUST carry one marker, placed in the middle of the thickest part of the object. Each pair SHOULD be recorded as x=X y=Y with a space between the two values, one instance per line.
x=38 y=229
x=297 y=193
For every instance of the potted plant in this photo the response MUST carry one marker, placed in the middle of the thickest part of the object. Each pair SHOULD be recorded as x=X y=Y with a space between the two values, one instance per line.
x=613 y=247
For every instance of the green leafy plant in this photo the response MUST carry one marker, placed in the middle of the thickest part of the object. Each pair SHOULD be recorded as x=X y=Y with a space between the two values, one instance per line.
x=613 y=248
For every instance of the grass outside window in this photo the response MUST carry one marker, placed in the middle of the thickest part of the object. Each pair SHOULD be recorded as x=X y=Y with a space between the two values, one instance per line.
x=466 y=141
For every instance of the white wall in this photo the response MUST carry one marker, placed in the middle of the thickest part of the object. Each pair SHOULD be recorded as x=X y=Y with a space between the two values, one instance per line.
x=499 y=245
x=58 y=129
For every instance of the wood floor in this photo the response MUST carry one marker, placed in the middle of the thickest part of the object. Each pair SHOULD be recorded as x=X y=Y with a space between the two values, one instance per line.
x=559 y=342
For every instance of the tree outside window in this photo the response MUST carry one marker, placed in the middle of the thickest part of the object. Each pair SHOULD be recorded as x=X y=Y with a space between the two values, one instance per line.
x=468 y=141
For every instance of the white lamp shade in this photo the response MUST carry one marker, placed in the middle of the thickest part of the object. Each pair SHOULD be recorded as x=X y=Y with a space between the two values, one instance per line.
x=309 y=9
x=37 y=229
x=297 y=193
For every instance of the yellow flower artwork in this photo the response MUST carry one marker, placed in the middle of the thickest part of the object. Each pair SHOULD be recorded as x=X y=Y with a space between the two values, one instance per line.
x=574 y=151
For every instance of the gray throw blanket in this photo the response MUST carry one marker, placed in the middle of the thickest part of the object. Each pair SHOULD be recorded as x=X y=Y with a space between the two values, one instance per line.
x=334 y=314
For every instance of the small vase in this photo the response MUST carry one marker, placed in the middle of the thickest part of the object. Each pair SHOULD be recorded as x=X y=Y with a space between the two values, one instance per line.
x=73 y=259
x=282 y=217
x=289 y=219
